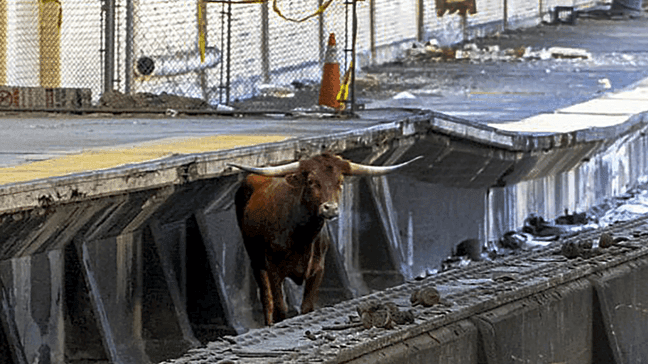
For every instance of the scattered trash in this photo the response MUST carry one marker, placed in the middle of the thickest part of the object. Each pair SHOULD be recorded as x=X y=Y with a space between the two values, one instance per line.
x=537 y=226
x=172 y=113
x=471 y=52
x=605 y=83
x=564 y=15
x=221 y=107
x=314 y=337
x=455 y=261
x=572 y=219
x=310 y=335
x=505 y=276
x=631 y=206
x=270 y=90
x=403 y=95
x=512 y=240
x=570 y=53
x=470 y=248
x=538 y=232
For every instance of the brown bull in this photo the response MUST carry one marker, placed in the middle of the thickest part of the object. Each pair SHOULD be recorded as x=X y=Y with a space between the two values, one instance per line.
x=281 y=211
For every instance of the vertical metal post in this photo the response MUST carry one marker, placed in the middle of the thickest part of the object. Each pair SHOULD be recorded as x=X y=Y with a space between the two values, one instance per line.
x=346 y=32
x=229 y=51
x=109 y=45
x=202 y=25
x=353 y=55
x=420 y=20
x=505 y=24
x=372 y=29
x=222 y=61
x=321 y=35
x=265 y=47
x=4 y=34
x=464 y=25
x=128 y=67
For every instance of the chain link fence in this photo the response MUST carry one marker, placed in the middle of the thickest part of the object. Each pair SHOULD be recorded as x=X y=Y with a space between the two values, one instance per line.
x=51 y=43
x=248 y=54
x=251 y=54
x=254 y=57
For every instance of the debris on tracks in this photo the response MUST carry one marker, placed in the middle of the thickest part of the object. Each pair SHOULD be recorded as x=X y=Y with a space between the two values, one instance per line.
x=586 y=249
x=427 y=297
x=374 y=313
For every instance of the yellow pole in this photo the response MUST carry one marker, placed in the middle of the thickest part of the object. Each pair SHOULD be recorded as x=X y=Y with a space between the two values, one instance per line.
x=3 y=42
x=50 y=20
x=202 y=29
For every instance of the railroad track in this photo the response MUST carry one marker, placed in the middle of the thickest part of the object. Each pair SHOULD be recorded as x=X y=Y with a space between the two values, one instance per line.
x=334 y=334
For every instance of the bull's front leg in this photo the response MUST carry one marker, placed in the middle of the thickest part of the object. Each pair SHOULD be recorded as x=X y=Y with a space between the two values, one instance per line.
x=315 y=272
x=311 y=290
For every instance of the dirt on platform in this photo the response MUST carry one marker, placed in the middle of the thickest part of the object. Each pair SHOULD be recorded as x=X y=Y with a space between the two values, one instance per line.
x=149 y=101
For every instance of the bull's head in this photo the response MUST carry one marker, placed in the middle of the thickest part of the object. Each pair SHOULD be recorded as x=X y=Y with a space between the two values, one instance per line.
x=321 y=178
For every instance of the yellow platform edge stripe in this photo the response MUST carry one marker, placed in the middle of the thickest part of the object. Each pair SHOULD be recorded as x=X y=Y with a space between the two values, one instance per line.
x=111 y=157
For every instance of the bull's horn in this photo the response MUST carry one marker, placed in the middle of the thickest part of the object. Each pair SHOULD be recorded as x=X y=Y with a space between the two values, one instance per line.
x=277 y=171
x=363 y=169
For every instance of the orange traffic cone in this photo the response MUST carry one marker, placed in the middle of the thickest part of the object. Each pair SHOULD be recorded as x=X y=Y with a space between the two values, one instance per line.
x=331 y=76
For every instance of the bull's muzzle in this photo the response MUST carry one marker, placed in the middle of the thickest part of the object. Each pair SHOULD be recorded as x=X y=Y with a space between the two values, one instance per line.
x=329 y=210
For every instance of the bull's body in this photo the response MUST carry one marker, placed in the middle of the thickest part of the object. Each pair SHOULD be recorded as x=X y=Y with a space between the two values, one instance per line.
x=281 y=215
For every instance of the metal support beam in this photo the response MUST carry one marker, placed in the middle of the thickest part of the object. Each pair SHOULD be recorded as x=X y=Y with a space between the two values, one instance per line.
x=128 y=52
x=109 y=45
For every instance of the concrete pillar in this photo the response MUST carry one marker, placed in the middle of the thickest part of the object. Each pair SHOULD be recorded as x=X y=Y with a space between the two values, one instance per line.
x=167 y=328
x=622 y=295
x=113 y=272
x=432 y=219
x=34 y=291
x=344 y=236
x=553 y=326
x=230 y=266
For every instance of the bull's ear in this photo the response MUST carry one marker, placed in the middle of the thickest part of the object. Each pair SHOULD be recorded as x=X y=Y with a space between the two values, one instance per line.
x=294 y=179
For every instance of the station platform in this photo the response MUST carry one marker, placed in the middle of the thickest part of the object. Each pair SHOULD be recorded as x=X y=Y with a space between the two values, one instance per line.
x=38 y=147
x=543 y=96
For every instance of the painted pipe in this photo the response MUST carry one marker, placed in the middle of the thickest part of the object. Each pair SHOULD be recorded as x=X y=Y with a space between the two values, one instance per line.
x=177 y=64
